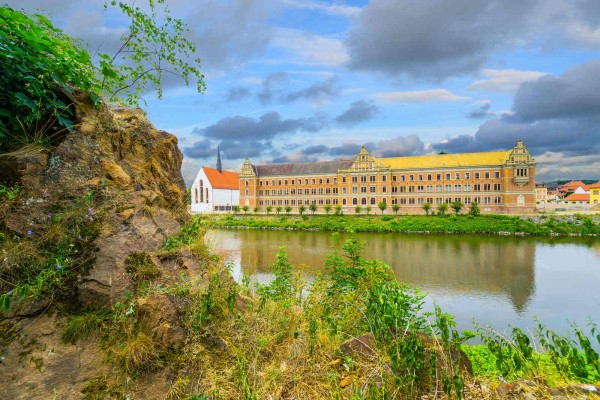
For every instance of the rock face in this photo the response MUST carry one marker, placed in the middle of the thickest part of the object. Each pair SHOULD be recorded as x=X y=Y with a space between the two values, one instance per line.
x=133 y=170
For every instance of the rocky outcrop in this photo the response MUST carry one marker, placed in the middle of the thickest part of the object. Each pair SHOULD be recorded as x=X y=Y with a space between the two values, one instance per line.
x=132 y=171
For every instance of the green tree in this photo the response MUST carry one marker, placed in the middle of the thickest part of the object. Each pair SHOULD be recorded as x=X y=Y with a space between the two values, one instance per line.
x=338 y=209
x=426 y=207
x=368 y=209
x=474 y=209
x=382 y=206
x=357 y=209
x=313 y=207
x=327 y=209
x=236 y=209
x=395 y=207
x=288 y=210
x=269 y=209
x=245 y=209
x=457 y=206
x=442 y=208
x=256 y=209
x=301 y=209
x=278 y=209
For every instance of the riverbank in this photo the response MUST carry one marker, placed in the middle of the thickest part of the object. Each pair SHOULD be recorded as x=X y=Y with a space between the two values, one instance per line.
x=577 y=225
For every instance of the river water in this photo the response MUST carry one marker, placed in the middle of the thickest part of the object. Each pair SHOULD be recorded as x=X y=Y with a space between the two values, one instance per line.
x=493 y=280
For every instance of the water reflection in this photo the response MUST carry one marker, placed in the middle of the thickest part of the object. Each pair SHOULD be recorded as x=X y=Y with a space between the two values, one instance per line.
x=496 y=280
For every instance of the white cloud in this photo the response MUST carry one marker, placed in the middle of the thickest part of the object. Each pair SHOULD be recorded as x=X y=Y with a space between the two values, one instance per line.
x=419 y=96
x=334 y=9
x=504 y=80
x=311 y=49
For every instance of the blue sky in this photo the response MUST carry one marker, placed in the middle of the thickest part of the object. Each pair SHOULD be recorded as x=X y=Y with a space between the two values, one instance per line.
x=305 y=80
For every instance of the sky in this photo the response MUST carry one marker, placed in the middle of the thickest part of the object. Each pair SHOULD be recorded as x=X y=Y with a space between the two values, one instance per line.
x=308 y=80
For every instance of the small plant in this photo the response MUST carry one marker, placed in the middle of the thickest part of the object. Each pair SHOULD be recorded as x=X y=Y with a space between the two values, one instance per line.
x=457 y=206
x=427 y=208
x=382 y=206
x=357 y=209
x=269 y=209
x=395 y=207
x=141 y=267
x=338 y=209
x=245 y=209
x=235 y=209
x=474 y=209
x=301 y=209
x=313 y=207
x=327 y=209
x=278 y=209
x=442 y=208
x=368 y=209
x=288 y=210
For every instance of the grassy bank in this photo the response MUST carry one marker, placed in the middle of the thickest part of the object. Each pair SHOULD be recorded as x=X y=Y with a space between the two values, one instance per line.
x=461 y=224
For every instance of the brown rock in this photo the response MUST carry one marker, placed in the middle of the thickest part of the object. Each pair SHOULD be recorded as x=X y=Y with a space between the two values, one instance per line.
x=158 y=313
x=363 y=345
x=115 y=173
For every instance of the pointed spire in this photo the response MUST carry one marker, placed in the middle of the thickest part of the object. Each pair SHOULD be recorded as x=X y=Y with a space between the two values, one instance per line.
x=219 y=165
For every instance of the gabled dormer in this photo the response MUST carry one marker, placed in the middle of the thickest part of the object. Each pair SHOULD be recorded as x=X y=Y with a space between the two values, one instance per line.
x=248 y=170
x=520 y=160
x=364 y=161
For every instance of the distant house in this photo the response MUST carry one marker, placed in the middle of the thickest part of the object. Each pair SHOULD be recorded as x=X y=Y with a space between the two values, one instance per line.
x=215 y=190
x=595 y=193
x=577 y=198
x=541 y=193
x=572 y=187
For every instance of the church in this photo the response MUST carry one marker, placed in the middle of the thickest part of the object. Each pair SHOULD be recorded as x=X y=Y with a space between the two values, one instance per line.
x=215 y=190
x=501 y=182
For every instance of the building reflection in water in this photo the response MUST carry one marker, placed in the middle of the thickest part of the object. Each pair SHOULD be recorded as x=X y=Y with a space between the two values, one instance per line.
x=450 y=265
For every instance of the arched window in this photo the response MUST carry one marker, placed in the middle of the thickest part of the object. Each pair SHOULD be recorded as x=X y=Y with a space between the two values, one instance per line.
x=207 y=195
x=355 y=201
x=373 y=201
x=344 y=201
x=363 y=201
x=196 y=195
x=201 y=191
x=520 y=200
x=246 y=182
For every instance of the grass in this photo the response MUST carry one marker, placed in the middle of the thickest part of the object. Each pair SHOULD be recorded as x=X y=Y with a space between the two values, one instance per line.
x=461 y=224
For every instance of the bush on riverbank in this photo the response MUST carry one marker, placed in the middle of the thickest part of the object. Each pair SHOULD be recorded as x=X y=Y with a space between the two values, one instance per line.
x=483 y=224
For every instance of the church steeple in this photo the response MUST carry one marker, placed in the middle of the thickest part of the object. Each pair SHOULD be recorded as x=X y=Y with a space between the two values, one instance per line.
x=219 y=165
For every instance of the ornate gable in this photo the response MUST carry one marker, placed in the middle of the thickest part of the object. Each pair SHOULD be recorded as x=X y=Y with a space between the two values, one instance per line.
x=247 y=170
x=520 y=160
x=364 y=162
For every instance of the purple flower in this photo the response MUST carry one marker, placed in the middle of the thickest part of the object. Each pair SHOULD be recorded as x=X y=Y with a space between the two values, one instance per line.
x=9 y=292
x=91 y=219
x=91 y=211
x=29 y=232
x=49 y=216
x=58 y=267
x=122 y=226
x=79 y=238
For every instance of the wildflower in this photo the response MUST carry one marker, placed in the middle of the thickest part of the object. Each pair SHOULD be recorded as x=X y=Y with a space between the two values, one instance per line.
x=29 y=232
x=49 y=216
x=91 y=211
x=122 y=226
x=79 y=237
x=9 y=293
x=91 y=219
x=58 y=267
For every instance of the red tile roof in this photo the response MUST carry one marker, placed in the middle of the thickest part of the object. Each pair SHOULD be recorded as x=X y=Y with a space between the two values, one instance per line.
x=572 y=185
x=595 y=185
x=222 y=180
x=578 y=197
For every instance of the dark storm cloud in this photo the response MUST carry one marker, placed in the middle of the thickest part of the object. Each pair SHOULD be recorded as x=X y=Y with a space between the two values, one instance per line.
x=481 y=112
x=237 y=94
x=346 y=149
x=266 y=127
x=201 y=149
x=551 y=114
x=319 y=149
x=315 y=92
x=431 y=39
x=359 y=111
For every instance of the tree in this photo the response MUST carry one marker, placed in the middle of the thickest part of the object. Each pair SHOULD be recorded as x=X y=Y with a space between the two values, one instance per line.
x=357 y=209
x=288 y=210
x=338 y=209
x=327 y=208
x=301 y=209
x=278 y=209
x=426 y=207
x=245 y=209
x=236 y=209
x=368 y=209
x=269 y=209
x=442 y=208
x=457 y=206
x=256 y=209
x=395 y=207
x=474 y=209
x=382 y=206
x=313 y=207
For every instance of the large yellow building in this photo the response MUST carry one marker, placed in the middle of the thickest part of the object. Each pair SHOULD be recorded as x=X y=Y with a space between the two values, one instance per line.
x=595 y=193
x=500 y=182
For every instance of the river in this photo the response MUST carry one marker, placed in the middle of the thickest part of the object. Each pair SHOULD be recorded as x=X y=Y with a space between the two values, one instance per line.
x=492 y=280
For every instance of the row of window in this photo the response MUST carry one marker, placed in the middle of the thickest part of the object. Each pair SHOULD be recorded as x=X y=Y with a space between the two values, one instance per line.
x=395 y=200
x=487 y=187
x=395 y=178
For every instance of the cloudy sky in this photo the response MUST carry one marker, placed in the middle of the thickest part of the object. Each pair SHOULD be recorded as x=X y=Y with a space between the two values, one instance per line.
x=304 y=80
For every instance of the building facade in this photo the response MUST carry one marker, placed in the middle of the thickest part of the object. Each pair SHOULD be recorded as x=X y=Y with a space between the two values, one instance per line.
x=215 y=190
x=541 y=193
x=595 y=193
x=500 y=182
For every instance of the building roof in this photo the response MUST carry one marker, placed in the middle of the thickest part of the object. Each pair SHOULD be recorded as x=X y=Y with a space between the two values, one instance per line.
x=595 y=185
x=222 y=180
x=447 y=160
x=578 y=197
x=572 y=185
x=319 y=167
